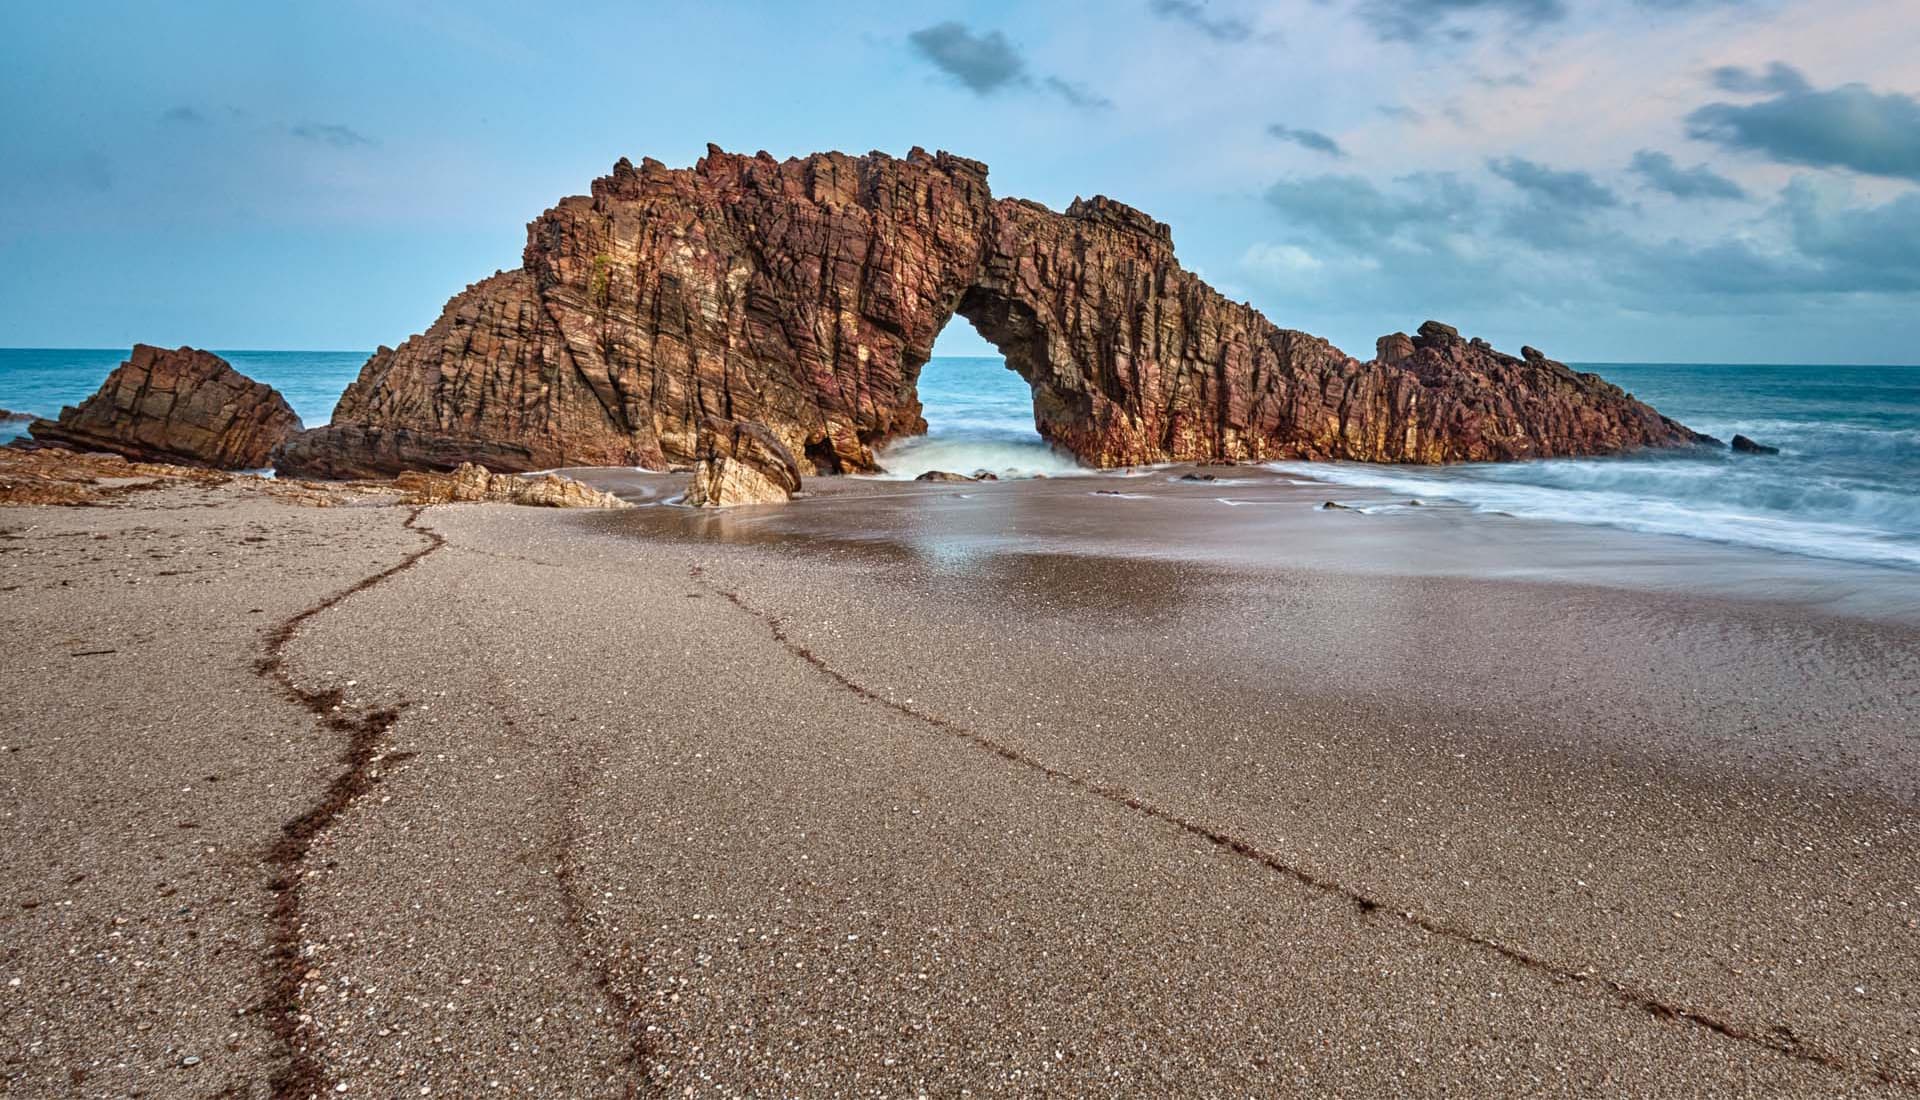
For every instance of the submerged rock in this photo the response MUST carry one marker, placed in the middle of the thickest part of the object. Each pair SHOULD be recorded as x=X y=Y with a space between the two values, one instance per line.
x=1334 y=505
x=945 y=475
x=805 y=296
x=476 y=484
x=741 y=463
x=1745 y=446
x=183 y=406
x=8 y=416
x=1196 y=477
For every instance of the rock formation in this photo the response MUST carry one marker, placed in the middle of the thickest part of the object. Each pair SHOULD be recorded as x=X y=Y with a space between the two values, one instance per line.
x=184 y=406
x=805 y=295
x=478 y=485
x=1747 y=446
x=55 y=475
x=741 y=463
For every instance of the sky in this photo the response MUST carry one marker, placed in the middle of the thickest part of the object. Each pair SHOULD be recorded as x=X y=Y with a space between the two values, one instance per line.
x=1607 y=180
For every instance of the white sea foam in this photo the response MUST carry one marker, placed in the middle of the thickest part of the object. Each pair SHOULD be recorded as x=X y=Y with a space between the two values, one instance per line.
x=1722 y=500
x=906 y=459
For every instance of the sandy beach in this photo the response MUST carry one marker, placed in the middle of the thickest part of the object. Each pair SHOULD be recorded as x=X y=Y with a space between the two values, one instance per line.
x=1067 y=787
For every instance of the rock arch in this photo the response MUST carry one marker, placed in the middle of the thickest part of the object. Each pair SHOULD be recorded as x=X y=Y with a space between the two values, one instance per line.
x=805 y=296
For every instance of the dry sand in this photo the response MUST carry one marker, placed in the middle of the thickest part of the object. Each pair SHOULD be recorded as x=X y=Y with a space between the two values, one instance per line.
x=957 y=790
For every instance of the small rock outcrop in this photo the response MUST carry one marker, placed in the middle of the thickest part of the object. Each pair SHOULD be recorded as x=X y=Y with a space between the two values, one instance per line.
x=183 y=406
x=1453 y=399
x=805 y=296
x=946 y=475
x=475 y=484
x=741 y=463
x=1744 y=445
x=55 y=475
x=8 y=416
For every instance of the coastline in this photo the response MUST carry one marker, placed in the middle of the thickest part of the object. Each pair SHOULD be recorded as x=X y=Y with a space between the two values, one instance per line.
x=1255 y=517
x=924 y=794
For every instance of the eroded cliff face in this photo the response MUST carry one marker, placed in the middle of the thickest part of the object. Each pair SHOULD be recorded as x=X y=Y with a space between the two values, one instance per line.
x=805 y=296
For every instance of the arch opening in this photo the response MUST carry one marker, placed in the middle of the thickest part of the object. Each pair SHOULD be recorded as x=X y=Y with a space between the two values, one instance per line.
x=980 y=415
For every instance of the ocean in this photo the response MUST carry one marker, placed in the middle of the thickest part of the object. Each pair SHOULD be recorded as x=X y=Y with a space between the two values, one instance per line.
x=1846 y=484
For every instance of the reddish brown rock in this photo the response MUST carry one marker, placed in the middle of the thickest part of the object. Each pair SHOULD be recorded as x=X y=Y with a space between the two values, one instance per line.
x=55 y=475
x=183 y=406
x=741 y=463
x=805 y=295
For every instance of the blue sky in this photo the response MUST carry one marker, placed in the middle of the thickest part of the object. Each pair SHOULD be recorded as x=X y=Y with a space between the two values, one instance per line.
x=1710 y=180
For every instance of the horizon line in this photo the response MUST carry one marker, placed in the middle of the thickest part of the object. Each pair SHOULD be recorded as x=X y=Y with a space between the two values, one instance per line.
x=1568 y=362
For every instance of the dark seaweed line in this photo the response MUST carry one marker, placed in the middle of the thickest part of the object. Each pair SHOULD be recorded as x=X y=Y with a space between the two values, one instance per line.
x=304 y=1074
x=1780 y=1041
x=579 y=919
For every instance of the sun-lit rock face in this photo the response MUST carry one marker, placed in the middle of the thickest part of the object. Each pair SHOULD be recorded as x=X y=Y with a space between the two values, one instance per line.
x=741 y=463
x=474 y=484
x=805 y=295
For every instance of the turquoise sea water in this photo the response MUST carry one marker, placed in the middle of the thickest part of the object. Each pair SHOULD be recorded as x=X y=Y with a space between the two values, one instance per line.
x=1847 y=484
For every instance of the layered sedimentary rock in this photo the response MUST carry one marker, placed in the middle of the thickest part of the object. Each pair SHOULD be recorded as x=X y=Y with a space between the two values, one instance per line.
x=741 y=463
x=472 y=484
x=805 y=295
x=1475 y=403
x=184 y=406
x=55 y=475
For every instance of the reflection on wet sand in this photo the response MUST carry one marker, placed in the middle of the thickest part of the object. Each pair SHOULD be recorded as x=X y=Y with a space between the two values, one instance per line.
x=1253 y=519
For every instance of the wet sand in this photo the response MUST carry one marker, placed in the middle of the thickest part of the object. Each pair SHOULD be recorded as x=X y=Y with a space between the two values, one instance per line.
x=988 y=789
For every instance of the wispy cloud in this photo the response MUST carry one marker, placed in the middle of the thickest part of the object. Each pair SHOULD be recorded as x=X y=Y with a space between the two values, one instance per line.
x=1699 y=182
x=1419 y=20
x=1193 y=13
x=1312 y=140
x=987 y=62
x=183 y=115
x=1079 y=95
x=1561 y=188
x=1778 y=77
x=1461 y=20
x=1557 y=205
x=330 y=133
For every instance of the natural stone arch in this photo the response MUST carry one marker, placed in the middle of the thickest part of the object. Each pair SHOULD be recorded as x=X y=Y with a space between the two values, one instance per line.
x=805 y=296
